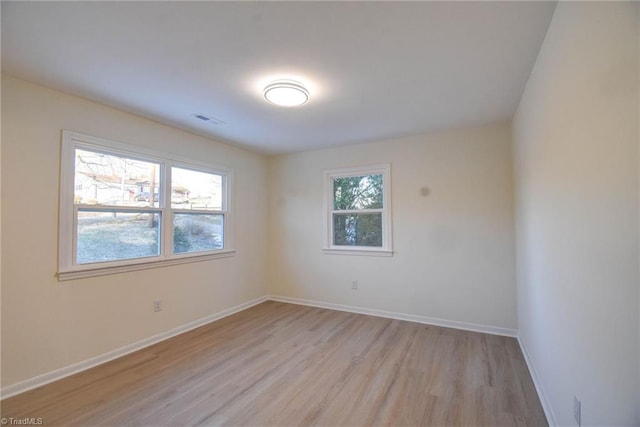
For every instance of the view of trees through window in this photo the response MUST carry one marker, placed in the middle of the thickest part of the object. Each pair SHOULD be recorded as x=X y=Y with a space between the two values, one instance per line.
x=196 y=191
x=108 y=189
x=119 y=214
x=357 y=210
x=107 y=179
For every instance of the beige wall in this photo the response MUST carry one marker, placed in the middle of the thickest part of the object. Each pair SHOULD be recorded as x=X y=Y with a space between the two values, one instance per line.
x=576 y=161
x=48 y=324
x=454 y=249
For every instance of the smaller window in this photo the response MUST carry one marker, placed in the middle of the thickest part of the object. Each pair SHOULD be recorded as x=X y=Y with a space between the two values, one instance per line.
x=358 y=211
x=198 y=216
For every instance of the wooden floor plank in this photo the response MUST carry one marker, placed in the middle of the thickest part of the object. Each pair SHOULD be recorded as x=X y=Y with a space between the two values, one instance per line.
x=289 y=365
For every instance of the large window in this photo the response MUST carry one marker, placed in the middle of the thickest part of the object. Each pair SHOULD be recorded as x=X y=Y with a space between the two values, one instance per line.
x=358 y=212
x=123 y=208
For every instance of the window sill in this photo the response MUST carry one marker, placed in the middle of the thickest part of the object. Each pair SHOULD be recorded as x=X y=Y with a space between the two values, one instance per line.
x=102 y=271
x=358 y=252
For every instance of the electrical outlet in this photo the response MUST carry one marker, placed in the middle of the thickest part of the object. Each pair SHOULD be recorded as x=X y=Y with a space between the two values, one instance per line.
x=354 y=285
x=577 y=410
x=157 y=305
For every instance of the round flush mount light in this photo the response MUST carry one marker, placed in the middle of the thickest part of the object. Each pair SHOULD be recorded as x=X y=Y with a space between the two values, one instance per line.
x=286 y=93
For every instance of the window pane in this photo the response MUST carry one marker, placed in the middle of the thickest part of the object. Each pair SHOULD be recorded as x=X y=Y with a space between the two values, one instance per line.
x=195 y=190
x=357 y=192
x=111 y=236
x=357 y=229
x=197 y=232
x=106 y=179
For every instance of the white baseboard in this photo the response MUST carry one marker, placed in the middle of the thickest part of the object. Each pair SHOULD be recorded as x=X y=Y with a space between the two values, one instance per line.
x=544 y=400
x=494 y=330
x=49 y=377
x=43 y=379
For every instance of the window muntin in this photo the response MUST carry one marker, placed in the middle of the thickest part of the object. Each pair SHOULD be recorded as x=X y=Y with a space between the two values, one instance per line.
x=197 y=200
x=357 y=209
x=351 y=196
x=121 y=207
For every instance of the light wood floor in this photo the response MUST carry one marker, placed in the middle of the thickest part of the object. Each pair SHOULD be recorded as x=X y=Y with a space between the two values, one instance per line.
x=284 y=364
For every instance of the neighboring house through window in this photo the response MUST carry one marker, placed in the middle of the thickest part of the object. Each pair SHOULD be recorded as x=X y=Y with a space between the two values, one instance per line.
x=124 y=208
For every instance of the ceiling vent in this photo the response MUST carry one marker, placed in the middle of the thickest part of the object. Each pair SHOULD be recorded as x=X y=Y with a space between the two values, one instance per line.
x=209 y=119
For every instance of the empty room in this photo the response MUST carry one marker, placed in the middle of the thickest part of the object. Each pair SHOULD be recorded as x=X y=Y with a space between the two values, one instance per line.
x=320 y=213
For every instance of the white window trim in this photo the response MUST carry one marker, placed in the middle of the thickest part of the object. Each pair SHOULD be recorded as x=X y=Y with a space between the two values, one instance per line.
x=68 y=269
x=387 y=242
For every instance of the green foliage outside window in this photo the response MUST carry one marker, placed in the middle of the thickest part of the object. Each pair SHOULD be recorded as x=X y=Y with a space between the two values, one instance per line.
x=360 y=194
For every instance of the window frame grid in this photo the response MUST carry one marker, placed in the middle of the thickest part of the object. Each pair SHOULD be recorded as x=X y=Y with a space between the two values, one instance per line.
x=69 y=269
x=171 y=211
x=329 y=211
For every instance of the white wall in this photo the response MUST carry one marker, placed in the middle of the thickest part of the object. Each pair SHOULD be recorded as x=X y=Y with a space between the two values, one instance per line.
x=576 y=167
x=48 y=324
x=454 y=249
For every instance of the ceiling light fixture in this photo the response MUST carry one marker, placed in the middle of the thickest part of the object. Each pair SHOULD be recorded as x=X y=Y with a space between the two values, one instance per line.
x=286 y=93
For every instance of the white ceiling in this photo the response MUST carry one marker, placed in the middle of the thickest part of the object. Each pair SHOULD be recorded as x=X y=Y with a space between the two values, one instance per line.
x=374 y=69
